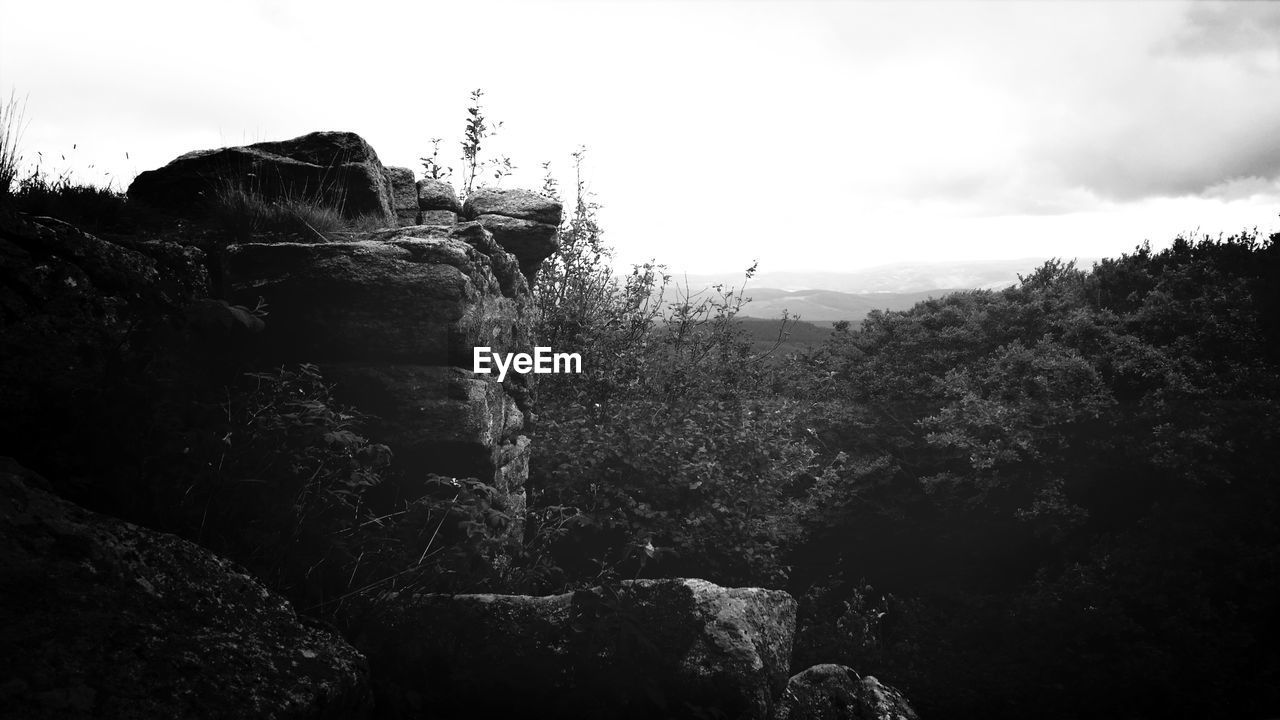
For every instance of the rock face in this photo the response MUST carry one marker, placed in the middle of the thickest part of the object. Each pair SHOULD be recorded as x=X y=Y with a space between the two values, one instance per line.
x=103 y=619
x=404 y=195
x=426 y=299
x=525 y=223
x=445 y=420
x=646 y=648
x=338 y=168
x=836 y=692
x=393 y=319
x=74 y=309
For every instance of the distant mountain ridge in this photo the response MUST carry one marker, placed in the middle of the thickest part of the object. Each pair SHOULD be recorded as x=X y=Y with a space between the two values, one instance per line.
x=826 y=306
x=825 y=296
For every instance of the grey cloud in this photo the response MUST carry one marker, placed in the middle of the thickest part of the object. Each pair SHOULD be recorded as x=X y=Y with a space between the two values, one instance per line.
x=1156 y=160
x=1201 y=115
x=1227 y=29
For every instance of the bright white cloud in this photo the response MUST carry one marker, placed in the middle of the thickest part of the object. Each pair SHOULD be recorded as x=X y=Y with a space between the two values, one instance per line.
x=805 y=134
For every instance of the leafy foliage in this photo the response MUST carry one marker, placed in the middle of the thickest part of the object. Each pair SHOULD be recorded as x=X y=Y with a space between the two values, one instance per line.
x=671 y=446
x=477 y=129
x=1065 y=492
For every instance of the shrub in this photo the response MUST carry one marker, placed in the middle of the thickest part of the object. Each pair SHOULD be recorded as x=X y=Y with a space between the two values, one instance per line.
x=672 y=447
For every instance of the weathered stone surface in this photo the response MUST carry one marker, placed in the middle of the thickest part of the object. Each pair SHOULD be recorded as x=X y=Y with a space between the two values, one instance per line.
x=646 y=648
x=73 y=307
x=418 y=300
x=504 y=265
x=437 y=195
x=103 y=619
x=513 y=462
x=437 y=217
x=338 y=167
x=881 y=702
x=836 y=692
x=522 y=204
x=531 y=242
x=443 y=420
x=404 y=195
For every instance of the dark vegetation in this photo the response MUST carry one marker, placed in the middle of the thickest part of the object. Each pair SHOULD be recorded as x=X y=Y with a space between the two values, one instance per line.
x=1057 y=500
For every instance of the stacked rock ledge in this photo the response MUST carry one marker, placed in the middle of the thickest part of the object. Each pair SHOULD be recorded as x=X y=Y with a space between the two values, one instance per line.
x=393 y=317
x=524 y=223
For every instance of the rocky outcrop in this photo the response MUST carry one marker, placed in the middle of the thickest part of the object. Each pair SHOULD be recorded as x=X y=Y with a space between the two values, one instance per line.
x=645 y=648
x=836 y=692
x=524 y=223
x=100 y=618
x=393 y=319
x=338 y=169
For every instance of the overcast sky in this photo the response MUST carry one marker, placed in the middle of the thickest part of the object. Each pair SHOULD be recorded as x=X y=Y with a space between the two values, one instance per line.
x=822 y=135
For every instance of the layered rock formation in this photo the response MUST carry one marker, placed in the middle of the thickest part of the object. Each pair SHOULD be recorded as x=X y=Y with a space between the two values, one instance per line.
x=393 y=318
x=524 y=223
x=100 y=618
x=646 y=648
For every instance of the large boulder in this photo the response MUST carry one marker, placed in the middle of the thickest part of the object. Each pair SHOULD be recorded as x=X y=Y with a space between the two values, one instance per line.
x=522 y=204
x=103 y=619
x=437 y=195
x=338 y=169
x=836 y=692
x=524 y=223
x=645 y=648
x=426 y=296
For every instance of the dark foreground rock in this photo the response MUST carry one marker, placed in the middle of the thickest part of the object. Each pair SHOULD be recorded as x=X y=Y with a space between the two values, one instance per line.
x=339 y=169
x=76 y=313
x=646 y=648
x=100 y=618
x=836 y=692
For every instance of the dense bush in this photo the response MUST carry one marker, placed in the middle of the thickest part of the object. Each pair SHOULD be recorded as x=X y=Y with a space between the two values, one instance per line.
x=1060 y=498
x=672 y=447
